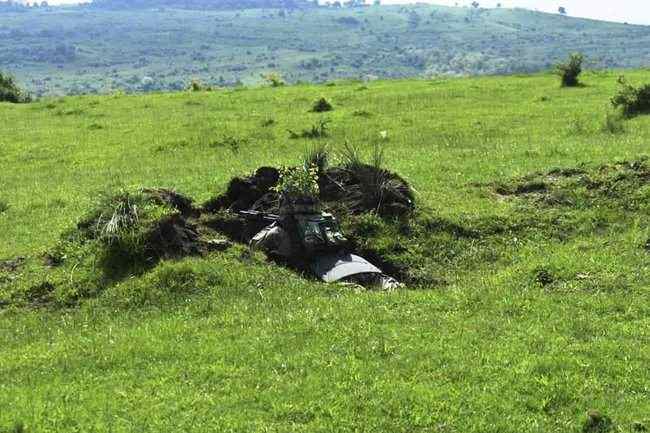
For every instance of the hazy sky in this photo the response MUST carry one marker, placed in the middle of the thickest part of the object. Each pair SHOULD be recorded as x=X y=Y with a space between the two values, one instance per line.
x=633 y=11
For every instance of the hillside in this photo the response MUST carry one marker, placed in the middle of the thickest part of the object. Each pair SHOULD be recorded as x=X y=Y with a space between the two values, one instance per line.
x=88 y=50
x=527 y=265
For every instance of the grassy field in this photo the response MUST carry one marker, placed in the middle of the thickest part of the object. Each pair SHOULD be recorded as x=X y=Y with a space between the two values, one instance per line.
x=83 y=50
x=531 y=242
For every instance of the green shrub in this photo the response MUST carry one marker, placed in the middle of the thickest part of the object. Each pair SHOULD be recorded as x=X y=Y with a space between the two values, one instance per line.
x=570 y=71
x=321 y=105
x=632 y=100
x=10 y=92
x=3 y=207
x=298 y=182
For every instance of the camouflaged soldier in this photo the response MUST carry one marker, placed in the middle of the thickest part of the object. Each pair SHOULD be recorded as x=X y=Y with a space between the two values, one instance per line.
x=306 y=237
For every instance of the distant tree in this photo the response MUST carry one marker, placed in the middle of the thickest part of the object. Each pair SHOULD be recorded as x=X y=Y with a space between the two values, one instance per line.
x=376 y=2
x=9 y=90
x=562 y=10
x=44 y=4
x=498 y=5
x=475 y=4
x=571 y=70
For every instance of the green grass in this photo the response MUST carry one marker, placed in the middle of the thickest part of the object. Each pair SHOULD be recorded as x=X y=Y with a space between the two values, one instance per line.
x=540 y=317
x=83 y=50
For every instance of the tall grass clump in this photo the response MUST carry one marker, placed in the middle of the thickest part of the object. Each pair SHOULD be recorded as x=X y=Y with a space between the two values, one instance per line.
x=632 y=100
x=350 y=157
x=570 y=70
x=316 y=131
x=317 y=156
x=119 y=219
x=10 y=92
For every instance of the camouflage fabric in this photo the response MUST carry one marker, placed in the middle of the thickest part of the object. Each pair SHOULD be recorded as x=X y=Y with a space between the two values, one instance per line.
x=331 y=263
x=275 y=241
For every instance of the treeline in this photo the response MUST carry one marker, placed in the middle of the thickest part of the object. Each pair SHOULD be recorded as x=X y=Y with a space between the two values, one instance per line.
x=203 y=4
x=13 y=6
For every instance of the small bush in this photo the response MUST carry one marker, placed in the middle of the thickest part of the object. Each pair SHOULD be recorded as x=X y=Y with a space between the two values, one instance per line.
x=4 y=207
x=298 y=182
x=268 y=122
x=10 y=92
x=570 y=71
x=321 y=105
x=273 y=79
x=613 y=124
x=316 y=131
x=632 y=100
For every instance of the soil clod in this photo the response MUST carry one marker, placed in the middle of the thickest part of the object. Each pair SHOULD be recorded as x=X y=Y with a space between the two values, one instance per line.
x=364 y=189
x=12 y=265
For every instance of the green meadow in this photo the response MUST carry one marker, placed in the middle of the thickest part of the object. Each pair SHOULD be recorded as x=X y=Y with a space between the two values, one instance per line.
x=527 y=266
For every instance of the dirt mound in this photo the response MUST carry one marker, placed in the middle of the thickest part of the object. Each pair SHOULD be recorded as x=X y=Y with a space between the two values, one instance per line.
x=252 y=192
x=172 y=199
x=135 y=229
x=12 y=265
x=173 y=237
x=365 y=189
x=616 y=184
x=359 y=190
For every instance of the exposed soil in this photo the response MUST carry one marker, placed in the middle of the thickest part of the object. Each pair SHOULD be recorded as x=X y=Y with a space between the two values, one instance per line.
x=194 y=230
x=359 y=190
x=609 y=184
x=12 y=265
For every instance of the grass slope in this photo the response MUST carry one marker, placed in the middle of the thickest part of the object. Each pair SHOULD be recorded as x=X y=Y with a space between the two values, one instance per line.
x=80 y=50
x=541 y=325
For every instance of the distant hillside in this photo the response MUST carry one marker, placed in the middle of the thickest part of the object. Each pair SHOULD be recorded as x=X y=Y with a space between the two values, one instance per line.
x=200 y=4
x=90 y=49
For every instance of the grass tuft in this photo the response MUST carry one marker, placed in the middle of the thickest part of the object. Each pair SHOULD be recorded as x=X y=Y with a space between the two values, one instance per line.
x=315 y=132
x=317 y=156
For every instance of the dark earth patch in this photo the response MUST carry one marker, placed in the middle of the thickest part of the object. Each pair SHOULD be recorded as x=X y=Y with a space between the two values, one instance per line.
x=12 y=265
x=359 y=190
x=612 y=185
